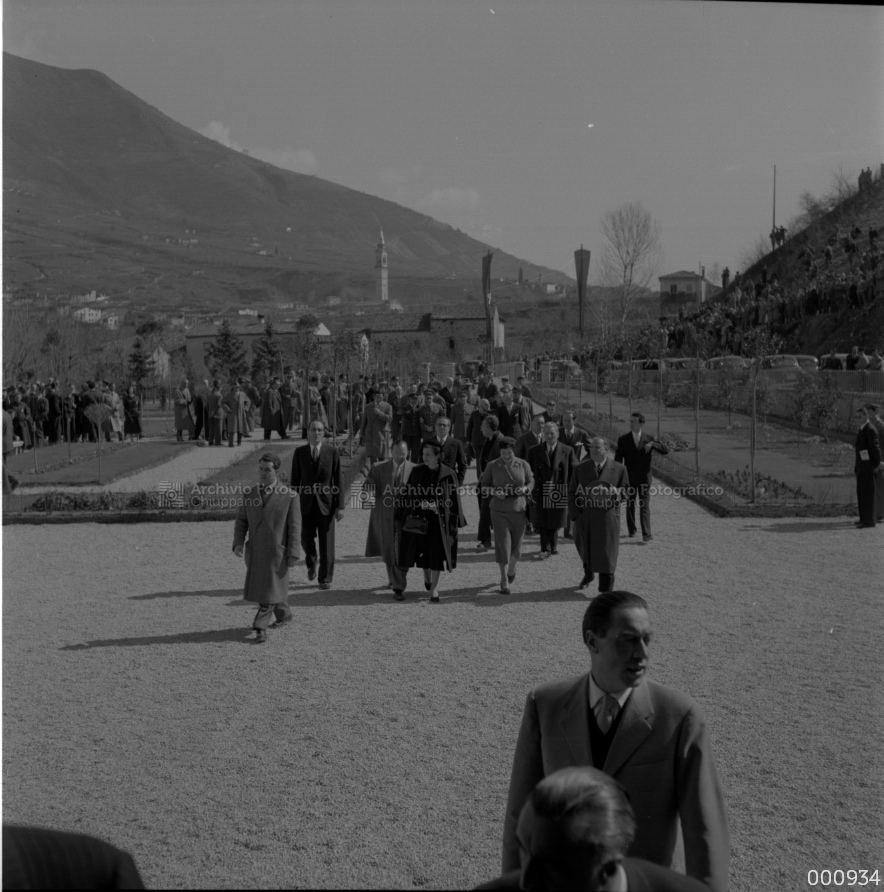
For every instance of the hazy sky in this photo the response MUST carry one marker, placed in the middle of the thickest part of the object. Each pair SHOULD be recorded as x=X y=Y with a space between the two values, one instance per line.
x=479 y=113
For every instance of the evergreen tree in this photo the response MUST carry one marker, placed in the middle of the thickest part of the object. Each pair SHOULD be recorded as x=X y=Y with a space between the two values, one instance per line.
x=141 y=364
x=266 y=353
x=226 y=358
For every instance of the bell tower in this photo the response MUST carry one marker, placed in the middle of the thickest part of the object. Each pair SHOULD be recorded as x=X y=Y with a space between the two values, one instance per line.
x=380 y=264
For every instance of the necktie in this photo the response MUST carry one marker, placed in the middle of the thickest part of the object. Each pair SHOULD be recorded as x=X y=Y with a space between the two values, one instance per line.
x=398 y=481
x=598 y=470
x=315 y=453
x=606 y=712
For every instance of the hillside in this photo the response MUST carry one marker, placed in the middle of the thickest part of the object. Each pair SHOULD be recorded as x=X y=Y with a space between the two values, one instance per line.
x=101 y=189
x=863 y=326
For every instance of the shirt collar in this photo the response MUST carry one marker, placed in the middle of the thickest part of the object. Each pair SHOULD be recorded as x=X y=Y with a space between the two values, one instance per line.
x=596 y=694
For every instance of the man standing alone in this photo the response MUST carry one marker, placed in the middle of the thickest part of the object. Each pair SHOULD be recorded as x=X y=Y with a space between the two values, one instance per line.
x=868 y=461
x=268 y=525
x=634 y=450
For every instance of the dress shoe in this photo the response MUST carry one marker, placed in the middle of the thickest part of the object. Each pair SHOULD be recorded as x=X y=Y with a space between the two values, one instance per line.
x=325 y=586
x=632 y=535
x=483 y=546
x=543 y=554
x=428 y=585
x=554 y=551
x=398 y=596
x=511 y=577
x=647 y=538
x=504 y=589
x=568 y=536
x=282 y=622
x=588 y=577
x=260 y=636
x=311 y=574
x=434 y=599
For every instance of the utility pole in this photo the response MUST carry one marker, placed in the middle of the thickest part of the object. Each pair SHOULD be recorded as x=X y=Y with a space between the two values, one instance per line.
x=774 y=223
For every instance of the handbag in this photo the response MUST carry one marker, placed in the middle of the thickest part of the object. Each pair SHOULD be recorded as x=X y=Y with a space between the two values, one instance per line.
x=416 y=524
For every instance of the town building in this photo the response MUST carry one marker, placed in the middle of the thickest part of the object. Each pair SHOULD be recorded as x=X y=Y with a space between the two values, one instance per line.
x=684 y=290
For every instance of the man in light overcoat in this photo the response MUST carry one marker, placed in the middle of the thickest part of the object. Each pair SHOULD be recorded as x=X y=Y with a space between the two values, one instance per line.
x=386 y=480
x=267 y=534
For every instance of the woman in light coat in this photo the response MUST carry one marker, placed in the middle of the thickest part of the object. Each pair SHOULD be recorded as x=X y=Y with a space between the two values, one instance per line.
x=508 y=481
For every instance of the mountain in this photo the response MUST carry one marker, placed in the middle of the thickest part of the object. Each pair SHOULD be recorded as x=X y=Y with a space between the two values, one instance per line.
x=101 y=190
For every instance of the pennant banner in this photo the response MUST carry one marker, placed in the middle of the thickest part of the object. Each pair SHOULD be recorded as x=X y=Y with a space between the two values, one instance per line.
x=581 y=265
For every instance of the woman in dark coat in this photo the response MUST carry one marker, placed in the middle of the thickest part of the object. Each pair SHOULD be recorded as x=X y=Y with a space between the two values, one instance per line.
x=431 y=494
x=132 y=413
x=22 y=423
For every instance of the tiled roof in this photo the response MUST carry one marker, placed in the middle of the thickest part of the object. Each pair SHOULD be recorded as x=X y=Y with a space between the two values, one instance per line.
x=681 y=274
x=460 y=311
x=410 y=322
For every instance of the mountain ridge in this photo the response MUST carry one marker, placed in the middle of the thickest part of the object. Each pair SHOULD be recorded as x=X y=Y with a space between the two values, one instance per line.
x=102 y=187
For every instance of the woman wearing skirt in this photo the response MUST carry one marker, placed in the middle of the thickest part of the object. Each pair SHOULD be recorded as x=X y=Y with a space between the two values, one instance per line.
x=508 y=480
x=431 y=496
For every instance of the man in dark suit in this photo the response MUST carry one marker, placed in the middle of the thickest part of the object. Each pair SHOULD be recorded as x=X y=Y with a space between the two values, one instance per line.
x=576 y=439
x=271 y=411
x=530 y=438
x=868 y=461
x=551 y=465
x=574 y=831
x=316 y=478
x=410 y=425
x=550 y=414
x=453 y=455
x=878 y=423
x=487 y=389
x=38 y=858
x=634 y=450
x=509 y=414
x=650 y=738
x=489 y=452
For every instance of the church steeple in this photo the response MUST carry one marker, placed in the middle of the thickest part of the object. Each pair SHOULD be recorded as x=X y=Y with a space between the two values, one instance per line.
x=380 y=265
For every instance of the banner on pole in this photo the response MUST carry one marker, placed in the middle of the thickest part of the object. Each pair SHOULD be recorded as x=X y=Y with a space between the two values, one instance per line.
x=486 y=292
x=581 y=265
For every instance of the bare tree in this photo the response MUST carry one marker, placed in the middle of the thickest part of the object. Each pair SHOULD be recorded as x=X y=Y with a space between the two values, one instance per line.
x=630 y=255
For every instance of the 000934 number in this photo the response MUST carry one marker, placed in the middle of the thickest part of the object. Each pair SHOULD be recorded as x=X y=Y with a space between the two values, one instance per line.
x=843 y=878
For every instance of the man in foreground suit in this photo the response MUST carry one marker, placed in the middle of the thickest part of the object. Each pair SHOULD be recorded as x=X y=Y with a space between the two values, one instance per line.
x=650 y=738
x=551 y=463
x=634 y=450
x=573 y=833
x=316 y=477
x=271 y=522
x=39 y=858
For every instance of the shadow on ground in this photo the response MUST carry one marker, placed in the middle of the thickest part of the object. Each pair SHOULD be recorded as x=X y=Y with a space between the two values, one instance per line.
x=217 y=593
x=216 y=636
x=482 y=596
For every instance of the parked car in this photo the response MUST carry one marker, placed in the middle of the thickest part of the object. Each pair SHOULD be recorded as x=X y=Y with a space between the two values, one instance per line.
x=737 y=363
x=808 y=362
x=562 y=369
x=780 y=361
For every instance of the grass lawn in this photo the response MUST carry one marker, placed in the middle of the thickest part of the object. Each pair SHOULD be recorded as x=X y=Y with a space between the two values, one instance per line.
x=127 y=459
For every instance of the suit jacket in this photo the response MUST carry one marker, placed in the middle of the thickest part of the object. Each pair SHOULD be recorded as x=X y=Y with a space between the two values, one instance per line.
x=662 y=756
x=526 y=443
x=490 y=450
x=867 y=441
x=577 y=440
x=637 y=459
x=454 y=457
x=459 y=416
x=597 y=517
x=271 y=408
x=641 y=876
x=552 y=416
x=550 y=484
x=271 y=533
x=317 y=483
x=38 y=858
x=510 y=420
x=474 y=430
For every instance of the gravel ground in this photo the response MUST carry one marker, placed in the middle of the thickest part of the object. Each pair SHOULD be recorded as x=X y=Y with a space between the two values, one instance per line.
x=369 y=743
x=193 y=466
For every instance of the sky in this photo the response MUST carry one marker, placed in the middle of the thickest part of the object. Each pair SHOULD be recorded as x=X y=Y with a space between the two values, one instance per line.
x=520 y=123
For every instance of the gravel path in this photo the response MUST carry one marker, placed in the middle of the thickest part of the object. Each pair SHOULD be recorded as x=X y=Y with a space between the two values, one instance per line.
x=189 y=468
x=369 y=743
